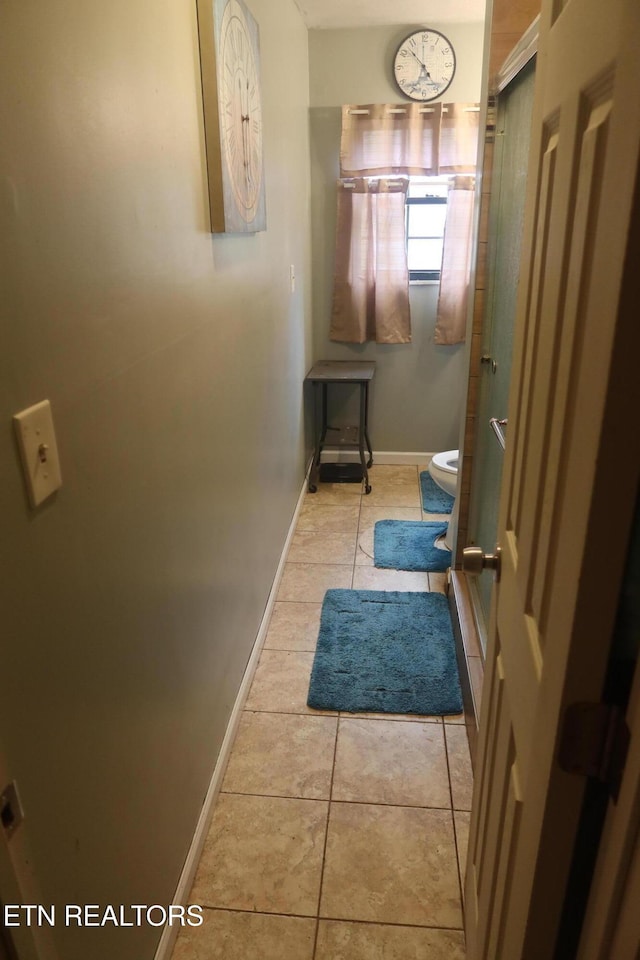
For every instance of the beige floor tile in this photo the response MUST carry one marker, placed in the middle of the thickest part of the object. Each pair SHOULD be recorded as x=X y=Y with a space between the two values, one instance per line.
x=391 y=865
x=307 y=546
x=281 y=683
x=340 y=940
x=328 y=519
x=404 y=717
x=230 y=935
x=262 y=854
x=310 y=581
x=335 y=493
x=438 y=582
x=369 y=516
x=462 y=819
x=371 y=578
x=293 y=626
x=281 y=755
x=459 y=765
x=394 y=473
x=436 y=517
x=390 y=761
x=394 y=495
x=454 y=718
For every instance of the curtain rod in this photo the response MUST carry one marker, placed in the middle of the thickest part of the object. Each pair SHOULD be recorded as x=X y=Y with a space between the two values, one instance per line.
x=423 y=110
x=347 y=185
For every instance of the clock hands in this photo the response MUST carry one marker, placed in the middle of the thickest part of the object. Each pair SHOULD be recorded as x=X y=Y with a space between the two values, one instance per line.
x=425 y=76
x=422 y=65
x=244 y=120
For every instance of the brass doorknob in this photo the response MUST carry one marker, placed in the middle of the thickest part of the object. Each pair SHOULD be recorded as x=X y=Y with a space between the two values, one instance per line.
x=474 y=561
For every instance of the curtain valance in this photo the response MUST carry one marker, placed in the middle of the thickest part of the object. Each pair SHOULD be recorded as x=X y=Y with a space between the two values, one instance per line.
x=411 y=139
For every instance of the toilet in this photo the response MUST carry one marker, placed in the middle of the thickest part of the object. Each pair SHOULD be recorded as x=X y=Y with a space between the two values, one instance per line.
x=444 y=470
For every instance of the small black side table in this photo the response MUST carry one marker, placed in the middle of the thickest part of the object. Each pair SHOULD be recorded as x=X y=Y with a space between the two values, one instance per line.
x=342 y=371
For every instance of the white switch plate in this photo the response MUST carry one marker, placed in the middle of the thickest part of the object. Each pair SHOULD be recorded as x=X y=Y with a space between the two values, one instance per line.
x=39 y=452
x=292 y=277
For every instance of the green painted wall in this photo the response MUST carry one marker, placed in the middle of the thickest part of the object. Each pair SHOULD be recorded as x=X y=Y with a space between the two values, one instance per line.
x=174 y=363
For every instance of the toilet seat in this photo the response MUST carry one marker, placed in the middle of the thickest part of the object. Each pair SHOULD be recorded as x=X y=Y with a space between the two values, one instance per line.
x=447 y=461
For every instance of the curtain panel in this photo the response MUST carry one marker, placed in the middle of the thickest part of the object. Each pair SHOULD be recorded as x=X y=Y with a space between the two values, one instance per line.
x=371 y=280
x=410 y=140
x=455 y=275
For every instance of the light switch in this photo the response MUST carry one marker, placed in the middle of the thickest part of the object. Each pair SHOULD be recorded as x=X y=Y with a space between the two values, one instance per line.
x=37 y=442
x=292 y=277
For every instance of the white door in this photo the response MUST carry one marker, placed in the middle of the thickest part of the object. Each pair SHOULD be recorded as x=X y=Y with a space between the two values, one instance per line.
x=571 y=471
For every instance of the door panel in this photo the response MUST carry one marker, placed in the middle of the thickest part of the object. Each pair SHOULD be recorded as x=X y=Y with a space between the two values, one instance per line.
x=554 y=607
x=499 y=817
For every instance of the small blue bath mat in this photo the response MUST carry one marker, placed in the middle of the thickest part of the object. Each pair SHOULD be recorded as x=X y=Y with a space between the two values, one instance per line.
x=382 y=651
x=434 y=499
x=409 y=545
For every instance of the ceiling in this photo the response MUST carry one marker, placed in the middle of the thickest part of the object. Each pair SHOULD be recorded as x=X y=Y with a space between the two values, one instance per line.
x=377 y=13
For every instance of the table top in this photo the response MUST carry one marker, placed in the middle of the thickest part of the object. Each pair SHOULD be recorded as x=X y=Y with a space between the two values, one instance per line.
x=347 y=371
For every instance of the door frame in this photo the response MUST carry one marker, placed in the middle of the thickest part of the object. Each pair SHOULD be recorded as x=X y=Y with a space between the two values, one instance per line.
x=18 y=886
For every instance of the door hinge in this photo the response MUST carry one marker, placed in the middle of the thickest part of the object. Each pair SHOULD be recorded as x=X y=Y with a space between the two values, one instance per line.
x=594 y=743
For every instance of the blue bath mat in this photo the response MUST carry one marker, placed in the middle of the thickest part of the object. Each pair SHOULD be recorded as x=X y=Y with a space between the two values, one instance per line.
x=382 y=651
x=409 y=545
x=434 y=499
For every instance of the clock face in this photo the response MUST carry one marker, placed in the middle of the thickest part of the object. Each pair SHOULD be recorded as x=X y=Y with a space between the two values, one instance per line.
x=424 y=65
x=240 y=111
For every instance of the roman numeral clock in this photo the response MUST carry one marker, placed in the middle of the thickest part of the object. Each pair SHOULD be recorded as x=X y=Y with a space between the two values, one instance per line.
x=232 y=100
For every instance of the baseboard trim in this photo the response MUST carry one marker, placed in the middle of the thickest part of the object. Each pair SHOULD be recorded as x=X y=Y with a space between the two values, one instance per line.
x=411 y=458
x=185 y=882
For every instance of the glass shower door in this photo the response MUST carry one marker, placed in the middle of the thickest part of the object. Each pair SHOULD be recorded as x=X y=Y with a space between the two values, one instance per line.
x=506 y=214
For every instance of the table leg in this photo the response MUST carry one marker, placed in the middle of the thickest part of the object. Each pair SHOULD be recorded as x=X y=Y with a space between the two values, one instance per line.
x=321 y=430
x=361 y=435
x=366 y=424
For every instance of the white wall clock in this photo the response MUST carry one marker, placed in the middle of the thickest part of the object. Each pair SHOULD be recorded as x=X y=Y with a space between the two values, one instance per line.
x=424 y=65
x=233 y=116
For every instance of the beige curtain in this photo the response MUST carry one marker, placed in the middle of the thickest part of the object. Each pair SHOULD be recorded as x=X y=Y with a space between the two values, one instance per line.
x=411 y=139
x=455 y=274
x=371 y=286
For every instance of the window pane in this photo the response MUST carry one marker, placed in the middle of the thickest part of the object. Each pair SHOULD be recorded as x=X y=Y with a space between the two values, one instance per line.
x=424 y=254
x=426 y=219
x=428 y=186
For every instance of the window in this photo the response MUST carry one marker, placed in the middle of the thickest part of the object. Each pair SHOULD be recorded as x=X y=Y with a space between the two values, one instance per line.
x=426 y=212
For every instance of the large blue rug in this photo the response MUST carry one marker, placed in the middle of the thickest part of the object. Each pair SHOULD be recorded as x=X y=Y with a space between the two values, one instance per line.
x=409 y=545
x=434 y=499
x=385 y=652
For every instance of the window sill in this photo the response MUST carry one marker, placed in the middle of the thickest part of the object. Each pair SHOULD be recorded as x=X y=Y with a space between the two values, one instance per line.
x=424 y=283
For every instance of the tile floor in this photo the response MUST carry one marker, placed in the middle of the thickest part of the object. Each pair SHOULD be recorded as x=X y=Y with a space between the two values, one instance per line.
x=335 y=836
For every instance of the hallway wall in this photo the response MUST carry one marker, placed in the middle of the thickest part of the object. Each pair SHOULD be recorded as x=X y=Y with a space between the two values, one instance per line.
x=174 y=363
x=418 y=393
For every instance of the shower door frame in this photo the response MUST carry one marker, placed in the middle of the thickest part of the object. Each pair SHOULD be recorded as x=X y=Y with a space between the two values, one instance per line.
x=519 y=61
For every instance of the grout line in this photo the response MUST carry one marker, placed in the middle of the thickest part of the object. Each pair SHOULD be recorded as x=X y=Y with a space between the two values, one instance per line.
x=307 y=916
x=394 y=717
x=329 y=799
x=326 y=839
x=455 y=832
